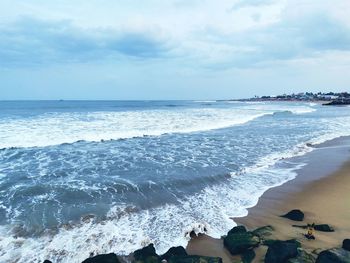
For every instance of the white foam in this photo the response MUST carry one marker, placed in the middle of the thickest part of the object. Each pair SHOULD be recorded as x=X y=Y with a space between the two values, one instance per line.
x=282 y=107
x=166 y=226
x=58 y=128
x=233 y=102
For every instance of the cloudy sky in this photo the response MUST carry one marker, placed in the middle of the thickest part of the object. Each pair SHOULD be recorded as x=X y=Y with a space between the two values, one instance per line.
x=172 y=49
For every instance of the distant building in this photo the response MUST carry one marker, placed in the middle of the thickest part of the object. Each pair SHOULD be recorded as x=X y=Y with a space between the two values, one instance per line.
x=329 y=97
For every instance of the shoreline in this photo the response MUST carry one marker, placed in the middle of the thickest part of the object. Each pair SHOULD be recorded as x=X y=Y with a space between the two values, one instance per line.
x=324 y=168
x=321 y=190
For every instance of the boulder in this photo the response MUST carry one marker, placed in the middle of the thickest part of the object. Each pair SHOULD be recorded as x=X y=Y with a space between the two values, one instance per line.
x=194 y=259
x=263 y=232
x=295 y=215
x=269 y=242
x=281 y=251
x=238 y=240
x=340 y=101
x=321 y=227
x=327 y=257
x=174 y=251
x=346 y=244
x=47 y=261
x=248 y=256
x=103 y=258
x=147 y=254
x=335 y=255
x=237 y=229
x=303 y=257
x=324 y=228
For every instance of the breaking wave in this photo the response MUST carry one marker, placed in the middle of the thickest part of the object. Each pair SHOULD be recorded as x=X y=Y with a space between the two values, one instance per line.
x=68 y=127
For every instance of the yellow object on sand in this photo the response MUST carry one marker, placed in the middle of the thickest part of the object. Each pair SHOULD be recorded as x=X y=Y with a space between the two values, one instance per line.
x=310 y=231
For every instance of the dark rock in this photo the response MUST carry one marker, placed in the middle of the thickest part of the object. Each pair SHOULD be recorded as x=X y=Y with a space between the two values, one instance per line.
x=303 y=257
x=248 y=256
x=338 y=102
x=174 y=251
x=317 y=251
x=194 y=259
x=146 y=254
x=281 y=251
x=88 y=218
x=269 y=242
x=148 y=251
x=193 y=234
x=327 y=256
x=295 y=215
x=263 y=232
x=103 y=258
x=310 y=236
x=324 y=228
x=238 y=240
x=237 y=229
x=47 y=261
x=321 y=227
x=336 y=255
x=346 y=244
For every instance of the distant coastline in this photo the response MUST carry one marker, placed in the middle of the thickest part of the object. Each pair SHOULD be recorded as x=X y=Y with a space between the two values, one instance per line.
x=330 y=98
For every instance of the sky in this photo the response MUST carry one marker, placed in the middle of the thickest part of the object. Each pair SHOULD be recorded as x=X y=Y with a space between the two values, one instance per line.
x=172 y=49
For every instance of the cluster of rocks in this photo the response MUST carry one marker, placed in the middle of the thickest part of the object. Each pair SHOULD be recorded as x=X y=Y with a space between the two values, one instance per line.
x=338 y=102
x=148 y=255
x=241 y=242
x=173 y=255
x=334 y=255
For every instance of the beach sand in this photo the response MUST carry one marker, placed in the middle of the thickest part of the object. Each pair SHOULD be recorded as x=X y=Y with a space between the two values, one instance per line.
x=321 y=190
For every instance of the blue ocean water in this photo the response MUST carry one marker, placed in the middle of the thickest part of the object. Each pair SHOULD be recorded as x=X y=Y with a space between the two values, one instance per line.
x=97 y=176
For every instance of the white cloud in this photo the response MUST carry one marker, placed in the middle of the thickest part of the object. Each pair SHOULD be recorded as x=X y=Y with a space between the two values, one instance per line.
x=198 y=37
x=203 y=31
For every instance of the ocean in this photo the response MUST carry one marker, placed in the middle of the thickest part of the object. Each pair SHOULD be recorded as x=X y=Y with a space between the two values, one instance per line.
x=81 y=177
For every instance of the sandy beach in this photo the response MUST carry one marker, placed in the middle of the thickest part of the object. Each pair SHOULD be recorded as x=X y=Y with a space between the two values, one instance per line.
x=321 y=190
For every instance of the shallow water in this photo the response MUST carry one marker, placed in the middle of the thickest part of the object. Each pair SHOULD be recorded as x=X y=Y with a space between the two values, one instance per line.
x=148 y=171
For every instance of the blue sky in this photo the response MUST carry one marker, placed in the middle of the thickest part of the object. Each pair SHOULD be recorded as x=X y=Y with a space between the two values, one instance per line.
x=174 y=49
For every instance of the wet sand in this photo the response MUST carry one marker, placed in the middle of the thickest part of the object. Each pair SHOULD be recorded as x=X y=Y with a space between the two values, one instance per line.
x=321 y=190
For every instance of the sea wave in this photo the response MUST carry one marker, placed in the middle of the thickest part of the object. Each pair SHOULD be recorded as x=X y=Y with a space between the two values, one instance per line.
x=127 y=228
x=58 y=128
x=277 y=108
x=124 y=232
